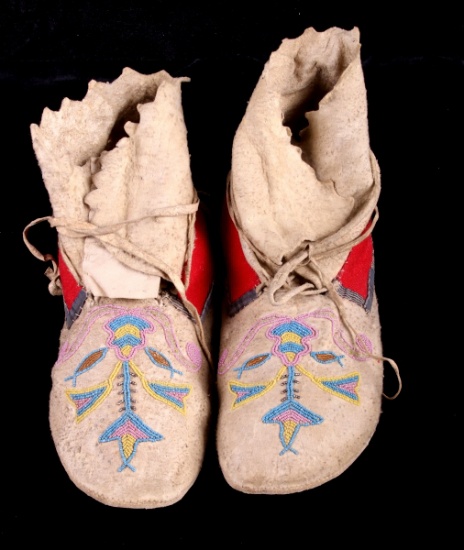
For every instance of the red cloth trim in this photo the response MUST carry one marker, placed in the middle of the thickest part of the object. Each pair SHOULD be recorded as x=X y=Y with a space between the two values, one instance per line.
x=242 y=278
x=354 y=274
x=69 y=284
x=201 y=269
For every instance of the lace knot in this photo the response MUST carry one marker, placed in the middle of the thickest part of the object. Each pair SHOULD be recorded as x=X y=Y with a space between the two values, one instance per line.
x=286 y=275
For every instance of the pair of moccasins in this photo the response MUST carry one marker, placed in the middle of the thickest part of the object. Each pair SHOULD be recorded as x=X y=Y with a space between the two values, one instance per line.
x=300 y=370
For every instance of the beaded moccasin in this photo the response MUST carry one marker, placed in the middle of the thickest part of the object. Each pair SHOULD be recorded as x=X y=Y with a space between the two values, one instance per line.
x=129 y=406
x=300 y=373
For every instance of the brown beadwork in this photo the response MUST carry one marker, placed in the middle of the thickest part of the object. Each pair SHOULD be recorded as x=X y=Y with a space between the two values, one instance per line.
x=90 y=360
x=255 y=360
x=158 y=358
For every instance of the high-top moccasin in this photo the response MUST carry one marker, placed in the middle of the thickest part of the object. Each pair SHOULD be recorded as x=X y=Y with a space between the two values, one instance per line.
x=300 y=372
x=129 y=407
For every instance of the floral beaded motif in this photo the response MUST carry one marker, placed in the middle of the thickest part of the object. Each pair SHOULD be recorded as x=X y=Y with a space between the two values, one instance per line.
x=293 y=342
x=127 y=331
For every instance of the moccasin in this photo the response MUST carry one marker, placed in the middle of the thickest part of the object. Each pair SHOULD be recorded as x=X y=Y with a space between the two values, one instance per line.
x=300 y=372
x=129 y=407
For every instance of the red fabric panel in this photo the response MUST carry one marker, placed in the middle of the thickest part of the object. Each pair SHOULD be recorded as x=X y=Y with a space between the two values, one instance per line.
x=354 y=274
x=241 y=276
x=201 y=271
x=70 y=286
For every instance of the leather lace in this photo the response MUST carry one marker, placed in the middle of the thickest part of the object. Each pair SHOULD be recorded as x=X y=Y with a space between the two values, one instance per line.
x=281 y=286
x=125 y=251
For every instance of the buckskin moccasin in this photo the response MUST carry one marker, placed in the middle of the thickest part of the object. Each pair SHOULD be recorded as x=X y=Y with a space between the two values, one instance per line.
x=300 y=373
x=129 y=407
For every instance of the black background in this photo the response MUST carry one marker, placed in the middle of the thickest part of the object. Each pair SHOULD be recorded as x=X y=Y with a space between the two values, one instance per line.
x=405 y=484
